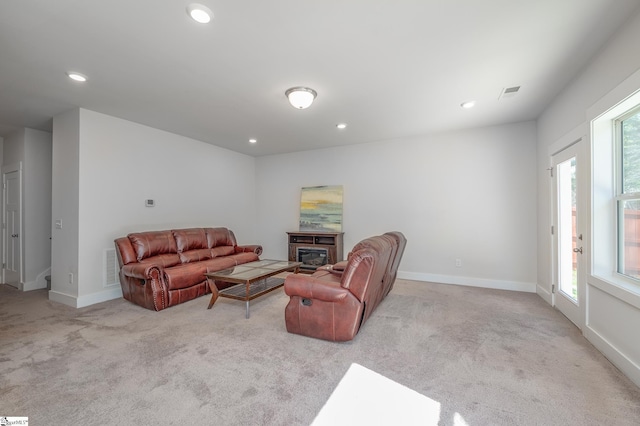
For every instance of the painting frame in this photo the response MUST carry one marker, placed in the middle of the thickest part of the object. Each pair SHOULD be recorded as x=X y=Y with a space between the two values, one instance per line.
x=321 y=208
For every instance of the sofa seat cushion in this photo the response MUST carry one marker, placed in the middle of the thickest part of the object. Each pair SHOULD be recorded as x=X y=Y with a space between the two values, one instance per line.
x=195 y=255
x=245 y=257
x=219 y=263
x=185 y=275
x=327 y=275
x=222 y=251
x=165 y=260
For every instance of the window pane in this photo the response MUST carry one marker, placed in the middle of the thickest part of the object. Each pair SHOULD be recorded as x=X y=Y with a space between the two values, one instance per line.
x=630 y=238
x=567 y=239
x=631 y=154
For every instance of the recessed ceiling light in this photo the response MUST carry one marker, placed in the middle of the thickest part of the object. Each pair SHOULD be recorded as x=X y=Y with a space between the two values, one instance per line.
x=468 y=104
x=200 y=13
x=253 y=140
x=341 y=126
x=76 y=76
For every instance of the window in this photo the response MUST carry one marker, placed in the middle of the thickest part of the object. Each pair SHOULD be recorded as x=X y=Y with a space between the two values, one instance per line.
x=614 y=238
x=628 y=193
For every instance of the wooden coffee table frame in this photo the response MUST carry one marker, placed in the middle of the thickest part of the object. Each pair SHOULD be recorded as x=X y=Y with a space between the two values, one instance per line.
x=251 y=280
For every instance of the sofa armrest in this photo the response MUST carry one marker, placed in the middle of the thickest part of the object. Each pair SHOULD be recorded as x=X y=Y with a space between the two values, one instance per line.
x=338 y=268
x=141 y=271
x=309 y=287
x=255 y=248
x=143 y=284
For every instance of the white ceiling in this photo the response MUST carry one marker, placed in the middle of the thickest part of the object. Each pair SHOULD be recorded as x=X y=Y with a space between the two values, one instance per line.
x=390 y=69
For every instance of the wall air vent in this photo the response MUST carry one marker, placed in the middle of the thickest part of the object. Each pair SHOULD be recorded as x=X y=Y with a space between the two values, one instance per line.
x=110 y=268
x=509 y=92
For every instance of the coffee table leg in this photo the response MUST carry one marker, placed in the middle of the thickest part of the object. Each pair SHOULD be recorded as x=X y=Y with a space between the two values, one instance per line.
x=214 y=293
x=247 y=295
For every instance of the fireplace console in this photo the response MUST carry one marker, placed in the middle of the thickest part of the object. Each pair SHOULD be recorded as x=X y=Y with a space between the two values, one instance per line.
x=315 y=249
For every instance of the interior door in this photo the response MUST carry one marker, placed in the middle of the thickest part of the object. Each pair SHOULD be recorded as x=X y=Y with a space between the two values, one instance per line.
x=12 y=229
x=569 y=274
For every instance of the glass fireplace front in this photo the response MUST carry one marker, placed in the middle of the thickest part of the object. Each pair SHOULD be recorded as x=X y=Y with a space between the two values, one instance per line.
x=312 y=258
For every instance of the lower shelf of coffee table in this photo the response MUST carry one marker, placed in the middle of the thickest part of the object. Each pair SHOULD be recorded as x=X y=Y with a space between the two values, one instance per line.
x=258 y=288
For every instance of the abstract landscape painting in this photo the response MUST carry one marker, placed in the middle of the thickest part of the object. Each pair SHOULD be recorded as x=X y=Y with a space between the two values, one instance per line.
x=321 y=208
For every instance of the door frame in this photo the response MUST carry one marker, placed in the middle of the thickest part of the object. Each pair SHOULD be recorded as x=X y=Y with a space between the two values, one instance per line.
x=10 y=168
x=576 y=141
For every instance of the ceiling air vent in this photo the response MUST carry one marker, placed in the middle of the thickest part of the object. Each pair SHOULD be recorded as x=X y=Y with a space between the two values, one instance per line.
x=509 y=92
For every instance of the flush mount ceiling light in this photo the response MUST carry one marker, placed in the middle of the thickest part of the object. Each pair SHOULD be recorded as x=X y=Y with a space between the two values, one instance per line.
x=301 y=97
x=341 y=126
x=76 y=76
x=253 y=140
x=200 y=13
x=468 y=104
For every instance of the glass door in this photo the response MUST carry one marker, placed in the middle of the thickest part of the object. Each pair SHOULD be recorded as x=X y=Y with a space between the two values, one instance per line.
x=568 y=237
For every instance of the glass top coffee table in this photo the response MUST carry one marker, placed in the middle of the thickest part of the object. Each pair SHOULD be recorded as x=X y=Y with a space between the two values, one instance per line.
x=251 y=280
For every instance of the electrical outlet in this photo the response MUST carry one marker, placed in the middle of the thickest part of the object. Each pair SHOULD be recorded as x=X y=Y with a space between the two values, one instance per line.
x=458 y=263
x=70 y=277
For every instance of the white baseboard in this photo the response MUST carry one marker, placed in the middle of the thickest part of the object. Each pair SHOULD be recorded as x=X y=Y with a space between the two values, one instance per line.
x=89 y=299
x=38 y=283
x=103 y=296
x=63 y=298
x=469 y=281
x=617 y=358
x=33 y=285
x=545 y=294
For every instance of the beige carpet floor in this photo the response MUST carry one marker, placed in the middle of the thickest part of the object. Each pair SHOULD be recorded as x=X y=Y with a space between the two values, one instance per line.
x=482 y=357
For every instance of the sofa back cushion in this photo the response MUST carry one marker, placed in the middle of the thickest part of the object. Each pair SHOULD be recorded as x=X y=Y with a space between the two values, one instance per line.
x=152 y=243
x=220 y=237
x=400 y=242
x=125 y=251
x=190 y=239
x=372 y=290
x=360 y=272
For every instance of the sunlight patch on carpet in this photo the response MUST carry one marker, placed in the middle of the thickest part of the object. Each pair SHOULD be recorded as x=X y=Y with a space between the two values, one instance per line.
x=366 y=397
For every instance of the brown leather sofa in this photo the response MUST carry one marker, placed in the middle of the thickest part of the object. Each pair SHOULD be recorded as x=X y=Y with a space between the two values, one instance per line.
x=334 y=302
x=159 y=269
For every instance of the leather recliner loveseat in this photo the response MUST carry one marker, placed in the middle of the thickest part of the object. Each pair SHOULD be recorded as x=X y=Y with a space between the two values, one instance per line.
x=335 y=301
x=159 y=269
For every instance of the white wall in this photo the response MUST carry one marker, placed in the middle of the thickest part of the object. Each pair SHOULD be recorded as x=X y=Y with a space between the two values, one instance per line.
x=13 y=159
x=64 y=207
x=119 y=165
x=1 y=162
x=464 y=195
x=32 y=149
x=37 y=208
x=14 y=148
x=609 y=311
